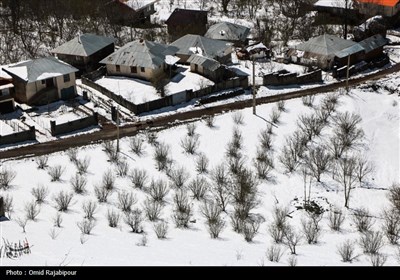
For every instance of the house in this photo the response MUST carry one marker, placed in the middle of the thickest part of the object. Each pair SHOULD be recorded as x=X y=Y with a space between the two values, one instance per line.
x=206 y=67
x=373 y=47
x=42 y=80
x=195 y=44
x=139 y=59
x=7 y=104
x=131 y=12
x=319 y=51
x=182 y=22
x=226 y=31
x=334 y=7
x=387 y=8
x=85 y=51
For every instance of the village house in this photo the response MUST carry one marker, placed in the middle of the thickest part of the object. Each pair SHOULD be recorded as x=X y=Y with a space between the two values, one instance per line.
x=207 y=67
x=139 y=59
x=7 y=103
x=42 y=80
x=387 y=8
x=131 y=12
x=230 y=32
x=182 y=22
x=195 y=44
x=85 y=51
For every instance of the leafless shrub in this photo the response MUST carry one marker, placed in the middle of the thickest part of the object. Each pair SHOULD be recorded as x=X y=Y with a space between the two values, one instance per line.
x=134 y=219
x=220 y=187
x=238 y=118
x=82 y=165
x=264 y=168
x=108 y=180
x=78 y=183
x=279 y=225
x=311 y=227
x=362 y=219
x=345 y=175
x=292 y=261
x=182 y=210
x=22 y=223
x=250 y=229
x=391 y=225
x=57 y=220
x=42 y=162
x=202 y=163
x=158 y=190
x=308 y=100
x=371 y=242
x=346 y=251
x=336 y=219
x=210 y=120
x=199 y=187
x=109 y=148
x=161 y=229
x=191 y=129
x=53 y=233
x=151 y=137
x=139 y=178
x=236 y=165
x=269 y=128
x=310 y=125
x=394 y=196
x=63 y=200
x=152 y=209
x=136 y=145
x=190 y=144
x=122 y=168
x=126 y=201
x=318 y=161
x=8 y=205
x=347 y=131
x=363 y=168
x=274 y=253
x=113 y=218
x=291 y=239
x=86 y=226
x=101 y=193
x=89 y=208
x=265 y=139
x=56 y=172
x=161 y=156
x=72 y=154
x=212 y=212
x=293 y=151
x=281 y=106
x=40 y=193
x=179 y=177
x=32 y=210
x=377 y=259
x=275 y=116
x=6 y=177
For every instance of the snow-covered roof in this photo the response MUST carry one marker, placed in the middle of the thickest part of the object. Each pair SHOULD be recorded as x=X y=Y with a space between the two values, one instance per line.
x=138 y=4
x=325 y=45
x=209 y=47
x=84 y=45
x=335 y=3
x=205 y=62
x=373 y=42
x=141 y=53
x=40 y=69
x=171 y=60
x=256 y=46
x=228 y=31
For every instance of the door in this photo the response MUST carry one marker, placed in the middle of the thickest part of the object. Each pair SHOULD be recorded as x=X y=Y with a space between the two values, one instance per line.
x=49 y=83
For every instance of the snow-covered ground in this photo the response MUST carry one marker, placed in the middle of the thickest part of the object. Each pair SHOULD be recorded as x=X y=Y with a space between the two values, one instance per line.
x=193 y=246
x=186 y=80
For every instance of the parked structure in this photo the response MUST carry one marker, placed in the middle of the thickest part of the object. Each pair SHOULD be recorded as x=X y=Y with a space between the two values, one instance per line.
x=226 y=31
x=42 y=80
x=387 y=8
x=131 y=12
x=182 y=22
x=139 y=59
x=195 y=44
x=85 y=51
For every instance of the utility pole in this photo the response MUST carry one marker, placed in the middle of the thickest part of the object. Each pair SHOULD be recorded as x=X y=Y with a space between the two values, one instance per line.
x=117 y=130
x=254 y=86
x=347 y=74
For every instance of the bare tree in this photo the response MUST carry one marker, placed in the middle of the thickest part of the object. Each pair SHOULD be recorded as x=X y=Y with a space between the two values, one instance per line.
x=22 y=223
x=311 y=227
x=32 y=210
x=347 y=130
x=89 y=207
x=362 y=219
x=212 y=212
x=40 y=193
x=346 y=251
x=364 y=167
x=391 y=225
x=394 y=196
x=202 y=163
x=310 y=125
x=291 y=239
x=279 y=225
x=158 y=190
x=63 y=200
x=345 y=175
x=318 y=161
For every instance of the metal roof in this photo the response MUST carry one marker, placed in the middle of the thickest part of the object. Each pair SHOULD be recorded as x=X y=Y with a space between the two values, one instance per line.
x=326 y=45
x=206 y=46
x=373 y=42
x=184 y=16
x=205 y=62
x=84 y=45
x=141 y=53
x=138 y=4
x=228 y=31
x=40 y=69
x=349 y=51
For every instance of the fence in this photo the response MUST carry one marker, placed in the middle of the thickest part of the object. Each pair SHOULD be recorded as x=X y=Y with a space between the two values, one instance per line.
x=57 y=129
x=285 y=78
x=22 y=136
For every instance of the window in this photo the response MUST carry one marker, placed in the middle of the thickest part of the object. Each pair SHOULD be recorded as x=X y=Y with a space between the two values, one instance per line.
x=133 y=69
x=142 y=69
x=67 y=78
x=117 y=68
x=43 y=82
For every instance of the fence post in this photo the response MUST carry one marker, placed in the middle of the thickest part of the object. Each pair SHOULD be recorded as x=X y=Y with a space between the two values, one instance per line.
x=53 y=127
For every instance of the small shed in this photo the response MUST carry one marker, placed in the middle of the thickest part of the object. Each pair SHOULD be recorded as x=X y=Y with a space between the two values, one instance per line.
x=206 y=67
x=182 y=22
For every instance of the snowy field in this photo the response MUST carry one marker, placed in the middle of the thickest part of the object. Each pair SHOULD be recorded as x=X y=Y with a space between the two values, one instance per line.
x=66 y=245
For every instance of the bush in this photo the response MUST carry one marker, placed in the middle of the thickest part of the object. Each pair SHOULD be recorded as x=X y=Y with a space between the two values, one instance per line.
x=72 y=154
x=275 y=116
x=391 y=225
x=113 y=218
x=265 y=139
x=377 y=259
x=182 y=210
x=82 y=165
x=250 y=229
x=151 y=138
x=311 y=228
x=126 y=201
x=139 y=178
x=238 y=118
x=161 y=229
x=278 y=227
x=362 y=219
x=336 y=219
x=153 y=209
x=108 y=180
x=292 y=261
x=122 y=168
x=190 y=144
x=134 y=220
x=210 y=120
x=40 y=193
x=263 y=168
x=161 y=156
x=136 y=145
x=86 y=226
x=42 y=162
x=32 y=210
x=101 y=193
x=346 y=251
x=274 y=253
x=179 y=177
x=191 y=129
x=6 y=177
x=63 y=200
x=22 y=223
x=89 y=208
x=111 y=150
x=212 y=212
x=394 y=196
x=8 y=205
x=281 y=106
x=291 y=239
x=78 y=184
x=56 y=172
x=158 y=190
x=199 y=187
x=371 y=242
x=202 y=163
x=57 y=220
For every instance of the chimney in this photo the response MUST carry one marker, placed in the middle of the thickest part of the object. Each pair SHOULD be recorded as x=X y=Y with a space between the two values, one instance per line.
x=141 y=41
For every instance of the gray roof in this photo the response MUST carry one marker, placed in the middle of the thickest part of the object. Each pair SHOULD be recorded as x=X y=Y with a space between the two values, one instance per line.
x=349 y=51
x=84 y=45
x=141 y=53
x=325 y=45
x=208 y=47
x=373 y=42
x=205 y=62
x=228 y=31
x=40 y=69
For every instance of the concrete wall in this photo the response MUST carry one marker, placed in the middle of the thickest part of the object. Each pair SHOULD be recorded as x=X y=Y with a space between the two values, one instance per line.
x=57 y=129
x=18 y=137
x=148 y=74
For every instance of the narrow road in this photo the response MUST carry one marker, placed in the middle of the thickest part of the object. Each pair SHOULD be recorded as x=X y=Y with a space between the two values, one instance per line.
x=109 y=131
